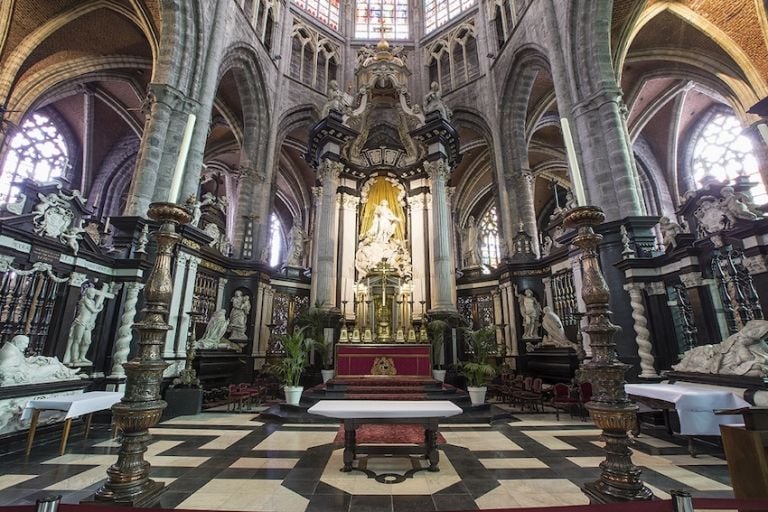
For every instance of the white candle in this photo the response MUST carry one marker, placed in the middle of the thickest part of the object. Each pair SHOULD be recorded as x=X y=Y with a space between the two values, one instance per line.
x=181 y=162
x=576 y=181
x=106 y=225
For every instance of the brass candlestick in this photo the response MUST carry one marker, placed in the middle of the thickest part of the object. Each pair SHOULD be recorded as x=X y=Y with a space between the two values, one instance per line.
x=128 y=481
x=609 y=408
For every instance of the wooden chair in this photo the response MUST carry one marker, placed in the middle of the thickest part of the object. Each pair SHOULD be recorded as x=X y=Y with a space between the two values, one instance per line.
x=238 y=395
x=585 y=395
x=562 y=399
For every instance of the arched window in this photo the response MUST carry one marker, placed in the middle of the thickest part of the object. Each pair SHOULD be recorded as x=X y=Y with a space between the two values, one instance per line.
x=275 y=240
x=721 y=151
x=37 y=151
x=489 y=238
x=439 y=12
x=326 y=11
x=370 y=14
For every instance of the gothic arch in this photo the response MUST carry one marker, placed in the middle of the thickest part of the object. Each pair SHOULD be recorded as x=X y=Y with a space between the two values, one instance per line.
x=181 y=46
x=590 y=46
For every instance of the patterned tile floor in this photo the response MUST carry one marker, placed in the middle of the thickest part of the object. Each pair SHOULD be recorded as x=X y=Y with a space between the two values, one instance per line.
x=220 y=461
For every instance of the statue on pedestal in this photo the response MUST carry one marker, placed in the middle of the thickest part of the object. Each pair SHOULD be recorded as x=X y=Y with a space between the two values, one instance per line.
x=433 y=101
x=238 y=317
x=530 y=309
x=16 y=368
x=669 y=232
x=88 y=309
x=471 y=247
x=296 y=241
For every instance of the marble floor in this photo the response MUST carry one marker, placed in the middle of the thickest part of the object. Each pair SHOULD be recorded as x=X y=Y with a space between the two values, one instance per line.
x=220 y=461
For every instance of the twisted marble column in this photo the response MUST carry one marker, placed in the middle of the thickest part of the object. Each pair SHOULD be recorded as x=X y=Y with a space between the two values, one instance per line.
x=125 y=331
x=643 y=338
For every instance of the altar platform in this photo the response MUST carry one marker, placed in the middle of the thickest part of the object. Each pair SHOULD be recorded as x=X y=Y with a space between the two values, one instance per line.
x=384 y=359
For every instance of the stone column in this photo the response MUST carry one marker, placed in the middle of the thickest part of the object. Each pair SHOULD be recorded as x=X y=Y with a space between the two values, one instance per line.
x=174 y=310
x=548 y=291
x=510 y=319
x=444 y=280
x=349 y=204
x=575 y=259
x=258 y=309
x=186 y=307
x=605 y=148
x=266 y=318
x=498 y=317
x=167 y=112
x=125 y=331
x=643 y=338
x=88 y=114
x=326 y=232
x=528 y=210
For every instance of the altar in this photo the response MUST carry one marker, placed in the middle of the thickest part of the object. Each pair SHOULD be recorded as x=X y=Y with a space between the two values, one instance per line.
x=396 y=359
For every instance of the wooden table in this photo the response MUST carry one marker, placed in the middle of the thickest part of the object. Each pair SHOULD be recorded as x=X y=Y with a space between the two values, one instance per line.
x=354 y=413
x=74 y=407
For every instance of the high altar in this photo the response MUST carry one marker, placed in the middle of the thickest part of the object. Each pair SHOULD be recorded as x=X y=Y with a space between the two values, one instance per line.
x=397 y=269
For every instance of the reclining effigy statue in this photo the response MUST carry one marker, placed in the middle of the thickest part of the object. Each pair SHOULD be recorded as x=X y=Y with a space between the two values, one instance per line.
x=744 y=353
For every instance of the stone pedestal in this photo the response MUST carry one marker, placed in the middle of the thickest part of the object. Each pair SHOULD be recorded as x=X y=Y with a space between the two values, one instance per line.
x=183 y=402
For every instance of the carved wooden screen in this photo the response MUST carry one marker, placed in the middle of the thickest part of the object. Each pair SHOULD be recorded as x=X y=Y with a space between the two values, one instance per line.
x=27 y=302
x=564 y=296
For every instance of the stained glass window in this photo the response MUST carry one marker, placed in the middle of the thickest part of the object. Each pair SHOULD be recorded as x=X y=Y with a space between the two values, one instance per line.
x=276 y=240
x=37 y=151
x=370 y=14
x=327 y=11
x=723 y=152
x=439 y=12
x=489 y=238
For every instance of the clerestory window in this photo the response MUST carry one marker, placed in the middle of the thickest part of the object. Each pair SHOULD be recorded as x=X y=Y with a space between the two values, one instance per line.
x=37 y=151
x=373 y=16
x=327 y=11
x=439 y=12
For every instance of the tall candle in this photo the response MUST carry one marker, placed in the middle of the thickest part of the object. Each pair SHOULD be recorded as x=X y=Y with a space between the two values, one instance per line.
x=573 y=163
x=106 y=225
x=181 y=162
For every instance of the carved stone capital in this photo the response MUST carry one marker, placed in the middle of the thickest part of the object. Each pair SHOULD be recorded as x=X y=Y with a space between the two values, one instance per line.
x=329 y=170
x=417 y=202
x=692 y=279
x=756 y=264
x=437 y=170
x=349 y=202
x=655 y=288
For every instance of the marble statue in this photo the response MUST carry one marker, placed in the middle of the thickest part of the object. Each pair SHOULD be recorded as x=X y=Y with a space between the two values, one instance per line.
x=712 y=219
x=737 y=206
x=141 y=243
x=669 y=232
x=471 y=246
x=16 y=368
x=337 y=100
x=433 y=102
x=743 y=353
x=554 y=329
x=88 y=309
x=546 y=246
x=364 y=54
x=238 y=317
x=296 y=241
x=72 y=236
x=384 y=223
x=570 y=201
x=196 y=207
x=530 y=309
x=214 y=331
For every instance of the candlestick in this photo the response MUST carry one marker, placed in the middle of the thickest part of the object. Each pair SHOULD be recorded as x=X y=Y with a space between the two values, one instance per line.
x=181 y=162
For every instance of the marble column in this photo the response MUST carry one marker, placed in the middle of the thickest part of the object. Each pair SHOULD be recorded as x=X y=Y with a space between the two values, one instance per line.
x=575 y=260
x=125 y=331
x=326 y=232
x=220 y=293
x=498 y=317
x=174 y=310
x=444 y=280
x=349 y=205
x=186 y=307
x=419 y=239
x=510 y=319
x=266 y=319
x=643 y=335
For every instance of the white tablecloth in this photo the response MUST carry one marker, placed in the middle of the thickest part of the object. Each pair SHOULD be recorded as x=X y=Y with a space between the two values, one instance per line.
x=74 y=406
x=694 y=405
x=366 y=409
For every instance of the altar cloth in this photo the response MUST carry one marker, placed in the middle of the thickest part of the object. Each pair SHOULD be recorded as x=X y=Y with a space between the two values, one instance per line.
x=379 y=409
x=694 y=405
x=74 y=406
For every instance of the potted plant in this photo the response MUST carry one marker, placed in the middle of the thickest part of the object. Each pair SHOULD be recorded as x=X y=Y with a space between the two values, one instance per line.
x=315 y=321
x=437 y=334
x=297 y=348
x=477 y=370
